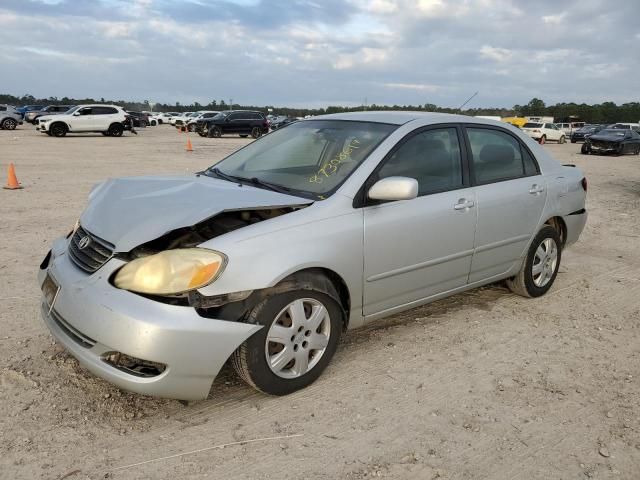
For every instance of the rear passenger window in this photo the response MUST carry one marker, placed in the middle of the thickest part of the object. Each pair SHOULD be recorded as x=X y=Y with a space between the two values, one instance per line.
x=104 y=110
x=431 y=157
x=497 y=156
x=530 y=167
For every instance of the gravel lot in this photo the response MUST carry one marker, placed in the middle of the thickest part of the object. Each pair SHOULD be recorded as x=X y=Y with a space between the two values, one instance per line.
x=483 y=385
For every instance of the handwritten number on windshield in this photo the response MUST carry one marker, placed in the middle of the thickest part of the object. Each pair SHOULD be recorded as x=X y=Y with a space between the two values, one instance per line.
x=331 y=167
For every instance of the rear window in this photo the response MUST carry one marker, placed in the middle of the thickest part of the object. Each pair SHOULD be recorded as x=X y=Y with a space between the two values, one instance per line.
x=532 y=125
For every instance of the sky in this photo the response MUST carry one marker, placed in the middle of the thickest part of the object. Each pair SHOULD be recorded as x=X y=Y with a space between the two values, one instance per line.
x=315 y=53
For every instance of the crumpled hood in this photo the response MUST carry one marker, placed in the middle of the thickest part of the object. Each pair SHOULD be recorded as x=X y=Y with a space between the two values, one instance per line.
x=134 y=210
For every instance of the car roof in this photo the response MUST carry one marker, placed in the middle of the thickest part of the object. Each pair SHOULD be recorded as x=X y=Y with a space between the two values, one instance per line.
x=401 y=117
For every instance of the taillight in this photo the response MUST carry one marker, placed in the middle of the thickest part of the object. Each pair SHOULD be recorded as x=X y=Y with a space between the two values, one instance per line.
x=583 y=182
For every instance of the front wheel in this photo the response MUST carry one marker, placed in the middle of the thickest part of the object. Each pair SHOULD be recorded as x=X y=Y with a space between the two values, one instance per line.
x=153 y=123
x=191 y=127
x=540 y=267
x=562 y=139
x=58 y=129
x=9 y=124
x=215 y=132
x=300 y=335
x=585 y=149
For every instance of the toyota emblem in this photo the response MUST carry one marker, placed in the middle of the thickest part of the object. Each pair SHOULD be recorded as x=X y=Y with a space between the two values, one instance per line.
x=84 y=242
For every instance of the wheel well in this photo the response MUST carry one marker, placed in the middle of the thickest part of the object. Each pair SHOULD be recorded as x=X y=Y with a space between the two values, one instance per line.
x=119 y=124
x=335 y=287
x=58 y=123
x=319 y=279
x=560 y=226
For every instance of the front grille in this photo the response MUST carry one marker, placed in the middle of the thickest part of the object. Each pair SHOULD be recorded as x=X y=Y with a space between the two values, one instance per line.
x=89 y=252
x=73 y=333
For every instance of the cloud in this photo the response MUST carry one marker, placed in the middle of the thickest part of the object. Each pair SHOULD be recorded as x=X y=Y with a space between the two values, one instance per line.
x=308 y=52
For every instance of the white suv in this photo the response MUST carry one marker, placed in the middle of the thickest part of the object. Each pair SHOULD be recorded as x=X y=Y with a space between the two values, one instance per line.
x=110 y=120
x=542 y=132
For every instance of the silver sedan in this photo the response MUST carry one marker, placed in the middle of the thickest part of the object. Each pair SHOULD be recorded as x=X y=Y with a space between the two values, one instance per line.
x=321 y=226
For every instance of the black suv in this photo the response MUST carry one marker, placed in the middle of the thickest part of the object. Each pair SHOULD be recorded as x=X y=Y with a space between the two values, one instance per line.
x=238 y=122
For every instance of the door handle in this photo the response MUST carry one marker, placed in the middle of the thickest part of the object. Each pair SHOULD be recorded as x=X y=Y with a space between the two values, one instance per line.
x=536 y=189
x=463 y=204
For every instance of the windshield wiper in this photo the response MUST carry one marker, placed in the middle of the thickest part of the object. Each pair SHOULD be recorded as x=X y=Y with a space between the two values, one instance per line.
x=255 y=181
x=224 y=176
x=271 y=186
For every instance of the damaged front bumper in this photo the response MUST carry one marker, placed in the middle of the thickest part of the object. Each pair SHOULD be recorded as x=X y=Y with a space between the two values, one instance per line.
x=170 y=351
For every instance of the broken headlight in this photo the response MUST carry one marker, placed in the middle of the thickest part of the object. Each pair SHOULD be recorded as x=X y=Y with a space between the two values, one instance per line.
x=171 y=272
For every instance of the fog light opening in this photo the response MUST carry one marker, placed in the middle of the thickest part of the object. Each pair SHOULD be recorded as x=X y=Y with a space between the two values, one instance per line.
x=134 y=366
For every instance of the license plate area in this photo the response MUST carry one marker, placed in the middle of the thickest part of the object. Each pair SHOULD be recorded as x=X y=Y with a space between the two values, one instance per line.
x=50 y=291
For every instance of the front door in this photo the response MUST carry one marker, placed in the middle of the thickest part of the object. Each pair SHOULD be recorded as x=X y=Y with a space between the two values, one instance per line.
x=510 y=194
x=84 y=121
x=418 y=248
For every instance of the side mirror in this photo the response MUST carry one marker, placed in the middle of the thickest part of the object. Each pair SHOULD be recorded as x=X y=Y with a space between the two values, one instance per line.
x=76 y=114
x=394 y=188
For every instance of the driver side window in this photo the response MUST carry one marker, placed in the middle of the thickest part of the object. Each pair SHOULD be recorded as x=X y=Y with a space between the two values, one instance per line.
x=431 y=157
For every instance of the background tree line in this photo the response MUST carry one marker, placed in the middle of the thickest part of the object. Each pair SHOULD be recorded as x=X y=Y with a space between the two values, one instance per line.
x=606 y=112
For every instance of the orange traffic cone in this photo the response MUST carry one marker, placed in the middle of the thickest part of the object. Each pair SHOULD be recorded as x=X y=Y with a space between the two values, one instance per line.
x=189 y=146
x=12 y=180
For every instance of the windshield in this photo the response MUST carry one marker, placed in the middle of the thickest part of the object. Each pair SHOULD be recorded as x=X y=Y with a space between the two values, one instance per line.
x=532 y=125
x=311 y=158
x=220 y=115
x=71 y=110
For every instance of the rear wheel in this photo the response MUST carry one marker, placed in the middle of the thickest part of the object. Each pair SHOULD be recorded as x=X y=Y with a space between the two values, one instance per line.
x=116 y=130
x=58 y=129
x=540 y=267
x=256 y=132
x=585 y=149
x=9 y=124
x=191 y=127
x=300 y=335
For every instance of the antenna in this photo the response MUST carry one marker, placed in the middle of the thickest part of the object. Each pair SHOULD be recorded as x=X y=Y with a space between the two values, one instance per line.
x=468 y=100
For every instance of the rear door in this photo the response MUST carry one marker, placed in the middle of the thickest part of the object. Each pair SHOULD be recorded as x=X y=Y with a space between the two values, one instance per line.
x=510 y=194
x=418 y=248
x=105 y=116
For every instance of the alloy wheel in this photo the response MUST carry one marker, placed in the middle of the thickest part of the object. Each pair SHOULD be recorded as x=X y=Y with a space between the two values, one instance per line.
x=298 y=338
x=545 y=262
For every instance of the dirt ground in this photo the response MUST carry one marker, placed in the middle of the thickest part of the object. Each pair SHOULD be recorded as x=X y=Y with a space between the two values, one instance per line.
x=483 y=385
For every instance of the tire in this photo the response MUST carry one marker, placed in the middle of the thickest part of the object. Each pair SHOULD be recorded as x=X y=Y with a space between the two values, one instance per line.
x=251 y=361
x=620 y=151
x=116 y=130
x=256 y=132
x=637 y=152
x=153 y=123
x=585 y=150
x=214 y=132
x=160 y=122
x=562 y=139
x=9 y=124
x=191 y=127
x=543 y=140
x=543 y=258
x=58 y=130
